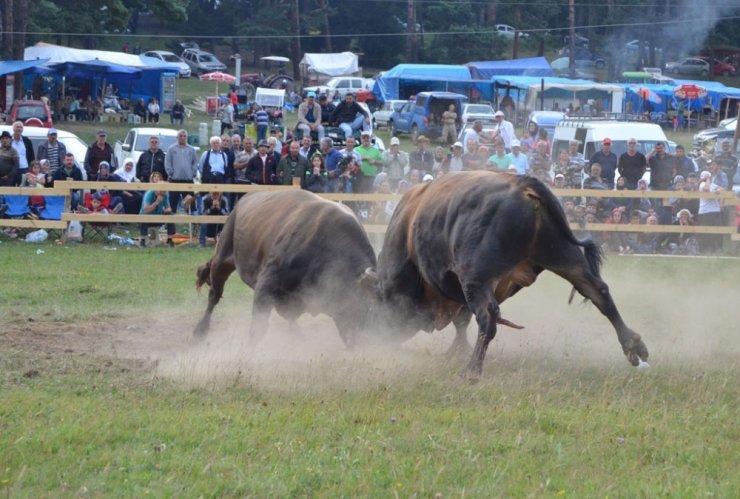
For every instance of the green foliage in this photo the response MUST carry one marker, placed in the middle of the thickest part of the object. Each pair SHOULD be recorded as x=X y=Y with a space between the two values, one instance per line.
x=465 y=46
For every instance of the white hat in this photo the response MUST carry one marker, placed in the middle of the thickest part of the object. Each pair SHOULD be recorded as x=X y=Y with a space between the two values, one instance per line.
x=427 y=178
x=516 y=143
x=457 y=144
x=498 y=113
x=366 y=132
x=705 y=174
x=559 y=175
x=395 y=141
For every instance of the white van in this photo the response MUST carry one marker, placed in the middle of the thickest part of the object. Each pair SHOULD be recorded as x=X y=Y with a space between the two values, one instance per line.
x=590 y=132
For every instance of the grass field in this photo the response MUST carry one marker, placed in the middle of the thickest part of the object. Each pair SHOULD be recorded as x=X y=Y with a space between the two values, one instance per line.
x=103 y=394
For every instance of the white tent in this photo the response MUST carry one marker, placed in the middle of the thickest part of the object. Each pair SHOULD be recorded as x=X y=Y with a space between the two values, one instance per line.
x=58 y=54
x=338 y=64
x=270 y=97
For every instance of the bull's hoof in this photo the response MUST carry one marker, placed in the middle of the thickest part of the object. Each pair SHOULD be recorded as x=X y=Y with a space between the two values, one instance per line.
x=459 y=349
x=470 y=376
x=201 y=329
x=636 y=351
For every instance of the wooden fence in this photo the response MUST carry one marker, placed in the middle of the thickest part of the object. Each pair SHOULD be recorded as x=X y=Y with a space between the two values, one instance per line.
x=727 y=199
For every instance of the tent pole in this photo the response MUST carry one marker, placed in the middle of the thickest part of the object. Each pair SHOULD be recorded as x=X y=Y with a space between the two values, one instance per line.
x=542 y=94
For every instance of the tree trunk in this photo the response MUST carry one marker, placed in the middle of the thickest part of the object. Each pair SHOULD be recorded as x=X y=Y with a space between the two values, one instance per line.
x=412 y=50
x=295 y=43
x=7 y=38
x=327 y=31
x=572 y=31
x=517 y=24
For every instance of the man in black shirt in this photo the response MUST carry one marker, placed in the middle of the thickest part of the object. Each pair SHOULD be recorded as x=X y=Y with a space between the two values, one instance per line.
x=631 y=165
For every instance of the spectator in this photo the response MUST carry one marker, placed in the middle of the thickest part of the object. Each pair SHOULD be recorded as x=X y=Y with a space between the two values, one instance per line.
x=45 y=177
x=395 y=162
x=519 y=160
x=631 y=165
x=99 y=151
x=131 y=199
x=307 y=149
x=213 y=204
x=543 y=137
x=155 y=202
x=177 y=114
x=662 y=165
x=227 y=149
x=214 y=163
x=53 y=150
x=477 y=134
x=69 y=171
x=710 y=212
x=449 y=128
x=140 y=110
x=505 y=130
x=727 y=163
x=351 y=175
x=475 y=159
x=453 y=162
x=309 y=117
x=315 y=178
x=181 y=165
x=292 y=168
x=151 y=160
x=77 y=110
x=684 y=164
x=608 y=161
x=9 y=160
x=371 y=159
x=500 y=161
x=332 y=158
x=274 y=147
x=684 y=243
x=564 y=167
x=327 y=108
x=618 y=241
x=227 y=117
x=261 y=121
x=349 y=116
x=540 y=160
x=261 y=169
x=719 y=177
x=527 y=138
x=422 y=159
x=649 y=243
x=24 y=146
x=349 y=150
x=441 y=159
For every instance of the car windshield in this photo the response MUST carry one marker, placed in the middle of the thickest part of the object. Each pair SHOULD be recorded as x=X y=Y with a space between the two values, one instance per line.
x=165 y=141
x=171 y=58
x=25 y=112
x=207 y=58
x=479 y=109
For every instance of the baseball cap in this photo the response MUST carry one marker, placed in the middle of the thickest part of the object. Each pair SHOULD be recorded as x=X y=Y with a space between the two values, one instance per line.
x=311 y=94
x=52 y=131
x=457 y=144
x=395 y=141
x=498 y=113
x=559 y=175
x=515 y=143
x=262 y=143
x=427 y=178
x=5 y=135
x=607 y=141
x=102 y=133
x=704 y=175
x=366 y=132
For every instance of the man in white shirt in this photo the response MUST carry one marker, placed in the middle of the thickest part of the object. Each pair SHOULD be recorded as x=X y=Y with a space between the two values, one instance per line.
x=505 y=130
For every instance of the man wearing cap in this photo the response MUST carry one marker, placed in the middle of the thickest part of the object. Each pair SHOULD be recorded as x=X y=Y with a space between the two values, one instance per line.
x=52 y=150
x=261 y=168
x=309 y=117
x=97 y=152
x=8 y=160
x=372 y=159
x=151 y=160
x=519 y=160
x=631 y=165
x=455 y=163
x=505 y=130
x=25 y=150
x=349 y=116
x=608 y=161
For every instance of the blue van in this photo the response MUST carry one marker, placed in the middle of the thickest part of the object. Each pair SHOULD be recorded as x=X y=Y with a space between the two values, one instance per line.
x=423 y=114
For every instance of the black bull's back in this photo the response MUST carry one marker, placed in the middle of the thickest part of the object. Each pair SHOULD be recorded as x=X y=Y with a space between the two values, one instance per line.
x=469 y=241
x=299 y=252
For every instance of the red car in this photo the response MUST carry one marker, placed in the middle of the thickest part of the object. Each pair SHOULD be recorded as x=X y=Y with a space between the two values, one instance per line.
x=720 y=68
x=31 y=113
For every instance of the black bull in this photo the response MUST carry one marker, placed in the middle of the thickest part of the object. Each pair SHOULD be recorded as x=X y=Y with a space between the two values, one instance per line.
x=299 y=253
x=468 y=241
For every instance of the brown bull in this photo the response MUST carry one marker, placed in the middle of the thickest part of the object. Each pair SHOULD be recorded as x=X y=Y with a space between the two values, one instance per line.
x=300 y=253
x=468 y=241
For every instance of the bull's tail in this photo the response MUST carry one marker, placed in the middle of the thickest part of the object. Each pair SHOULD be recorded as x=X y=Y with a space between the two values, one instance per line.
x=204 y=275
x=592 y=252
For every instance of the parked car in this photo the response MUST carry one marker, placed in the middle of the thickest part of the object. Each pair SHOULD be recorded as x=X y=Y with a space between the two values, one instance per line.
x=472 y=112
x=72 y=142
x=509 y=31
x=341 y=86
x=423 y=115
x=172 y=59
x=729 y=123
x=713 y=137
x=720 y=68
x=545 y=119
x=584 y=58
x=137 y=141
x=688 y=66
x=36 y=111
x=580 y=41
x=382 y=116
x=202 y=62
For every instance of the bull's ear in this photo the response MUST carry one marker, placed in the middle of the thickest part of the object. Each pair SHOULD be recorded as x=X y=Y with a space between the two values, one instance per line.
x=369 y=280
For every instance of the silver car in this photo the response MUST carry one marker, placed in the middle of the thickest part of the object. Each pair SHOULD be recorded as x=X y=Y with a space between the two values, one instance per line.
x=202 y=62
x=172 y=59
x=689 y=66
x=382 y=116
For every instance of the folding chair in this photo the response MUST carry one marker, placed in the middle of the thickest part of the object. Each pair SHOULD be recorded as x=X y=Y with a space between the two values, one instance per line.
x=101 y=230
x=17 y=205
x=52 y=210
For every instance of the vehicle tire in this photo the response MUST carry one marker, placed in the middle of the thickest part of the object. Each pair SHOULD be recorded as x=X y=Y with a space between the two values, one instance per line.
x=414 y=133
x=283 y=82
x=248 y=90
x=600 y=64
x=394 y=132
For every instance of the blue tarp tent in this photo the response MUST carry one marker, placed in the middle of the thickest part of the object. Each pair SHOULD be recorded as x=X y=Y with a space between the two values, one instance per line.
x=405 y=80
x=8 y=67
x=532 y=66
x=719 y=97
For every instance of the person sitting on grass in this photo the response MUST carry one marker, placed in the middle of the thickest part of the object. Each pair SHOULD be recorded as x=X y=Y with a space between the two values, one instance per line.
x=216 y=204
x=156 y=202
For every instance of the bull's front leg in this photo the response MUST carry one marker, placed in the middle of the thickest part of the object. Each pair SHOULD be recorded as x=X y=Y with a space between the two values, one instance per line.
x=460 y=344
x=486 y=310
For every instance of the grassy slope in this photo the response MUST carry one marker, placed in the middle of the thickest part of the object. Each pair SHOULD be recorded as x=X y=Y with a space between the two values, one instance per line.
x=533 y=426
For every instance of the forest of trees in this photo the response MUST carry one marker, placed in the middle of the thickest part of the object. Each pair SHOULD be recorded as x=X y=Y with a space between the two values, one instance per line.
x=439 y=31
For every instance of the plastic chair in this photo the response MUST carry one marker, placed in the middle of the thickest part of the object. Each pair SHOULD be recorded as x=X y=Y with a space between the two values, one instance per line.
x=53 y=208
x=17 y=205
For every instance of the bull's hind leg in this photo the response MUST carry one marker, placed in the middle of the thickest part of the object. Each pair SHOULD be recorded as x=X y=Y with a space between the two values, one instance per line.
x=460 y=344
x=216 y=273
x=483 y=303
x=261 y=308
x=595 y=289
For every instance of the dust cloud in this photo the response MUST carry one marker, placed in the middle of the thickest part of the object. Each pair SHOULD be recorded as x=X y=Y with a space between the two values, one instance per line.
x=684 y=320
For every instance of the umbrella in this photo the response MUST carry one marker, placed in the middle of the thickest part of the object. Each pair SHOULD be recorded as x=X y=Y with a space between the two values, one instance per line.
x=689 y=91
x=218 y=76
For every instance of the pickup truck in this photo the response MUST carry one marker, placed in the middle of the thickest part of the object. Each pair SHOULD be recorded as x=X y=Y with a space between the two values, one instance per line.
x=342 y=85
x=423 y=115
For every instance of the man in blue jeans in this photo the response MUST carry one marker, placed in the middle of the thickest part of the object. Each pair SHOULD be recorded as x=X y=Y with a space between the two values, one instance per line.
x=350 y=116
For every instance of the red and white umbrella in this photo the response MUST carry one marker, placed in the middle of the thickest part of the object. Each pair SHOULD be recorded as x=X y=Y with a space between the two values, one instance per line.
x=218 y=77
x=689 y=91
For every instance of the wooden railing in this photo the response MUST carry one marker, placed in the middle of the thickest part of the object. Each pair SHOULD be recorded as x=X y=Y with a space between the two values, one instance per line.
x=726 y=198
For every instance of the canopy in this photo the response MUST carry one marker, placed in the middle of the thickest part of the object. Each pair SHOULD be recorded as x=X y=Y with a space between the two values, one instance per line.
x=7 y=67
x=94 y=69
x=610 y=94
x=405 y=80
x=532 y=66
x=337 y=64
x=58 y=54
x=270 y=97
